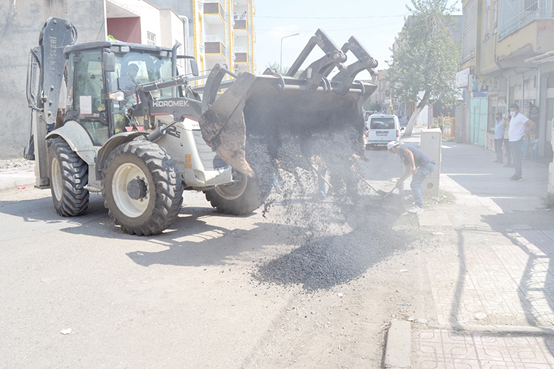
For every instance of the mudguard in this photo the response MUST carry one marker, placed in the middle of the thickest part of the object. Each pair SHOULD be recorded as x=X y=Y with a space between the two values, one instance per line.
x=78 y=139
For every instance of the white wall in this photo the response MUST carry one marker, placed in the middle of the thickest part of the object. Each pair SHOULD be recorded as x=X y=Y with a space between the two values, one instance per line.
x=20 y=28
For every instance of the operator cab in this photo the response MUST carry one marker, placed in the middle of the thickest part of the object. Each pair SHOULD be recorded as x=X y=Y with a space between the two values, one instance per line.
x=101 y=82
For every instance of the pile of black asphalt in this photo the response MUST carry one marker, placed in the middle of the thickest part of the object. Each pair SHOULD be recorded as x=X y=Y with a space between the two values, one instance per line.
x=338 y=235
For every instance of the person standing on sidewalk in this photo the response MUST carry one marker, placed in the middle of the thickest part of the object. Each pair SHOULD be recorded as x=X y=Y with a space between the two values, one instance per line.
x=498 y=138
x=416 y=163
x=520 y=126
x=507 y=142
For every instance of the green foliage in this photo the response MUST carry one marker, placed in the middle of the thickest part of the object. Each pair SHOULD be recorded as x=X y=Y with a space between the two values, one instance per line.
x=282 y=71
x=276 y=67
x=426 y=59
x=112 y=39
x=372 y=106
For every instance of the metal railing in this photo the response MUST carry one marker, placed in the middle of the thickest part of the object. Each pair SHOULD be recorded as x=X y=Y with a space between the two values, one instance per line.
x=215 y=47
x=212 y=38
x=241 y=57
x=215 y=7
x=516 y=14
x=240 y=24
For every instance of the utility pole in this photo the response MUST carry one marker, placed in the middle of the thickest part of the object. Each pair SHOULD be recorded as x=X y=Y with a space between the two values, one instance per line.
x=281 y=58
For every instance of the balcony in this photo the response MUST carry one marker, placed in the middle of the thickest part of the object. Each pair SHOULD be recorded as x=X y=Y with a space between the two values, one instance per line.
x=215 y=49
x=214 y=12
x=241 y=58
x=240 y=25
x=516 y=14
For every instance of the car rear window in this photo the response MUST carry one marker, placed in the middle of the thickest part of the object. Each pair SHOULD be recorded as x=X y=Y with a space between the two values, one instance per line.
x=382 y=123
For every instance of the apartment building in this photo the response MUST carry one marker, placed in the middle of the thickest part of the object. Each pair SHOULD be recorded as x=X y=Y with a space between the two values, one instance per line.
x=217 y=31
x=508 y=57
x=141 y=22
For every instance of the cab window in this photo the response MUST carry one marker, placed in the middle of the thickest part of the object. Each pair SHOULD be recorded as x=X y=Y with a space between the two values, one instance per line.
x=89 y=97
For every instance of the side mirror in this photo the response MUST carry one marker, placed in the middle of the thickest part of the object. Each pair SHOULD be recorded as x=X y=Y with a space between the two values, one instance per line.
x=194 y=67
x=108 y=59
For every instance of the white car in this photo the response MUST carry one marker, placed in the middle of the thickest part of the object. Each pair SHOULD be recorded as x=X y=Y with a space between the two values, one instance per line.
x=381 y=129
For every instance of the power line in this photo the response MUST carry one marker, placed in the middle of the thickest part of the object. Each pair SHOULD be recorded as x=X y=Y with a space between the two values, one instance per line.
x=293 y=17
x=335 y=30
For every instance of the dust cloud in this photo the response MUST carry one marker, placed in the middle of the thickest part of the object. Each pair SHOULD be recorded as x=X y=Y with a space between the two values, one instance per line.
x=340 y=233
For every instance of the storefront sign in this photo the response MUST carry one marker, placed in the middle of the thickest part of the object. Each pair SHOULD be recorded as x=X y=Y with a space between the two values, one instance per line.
x=462 y=78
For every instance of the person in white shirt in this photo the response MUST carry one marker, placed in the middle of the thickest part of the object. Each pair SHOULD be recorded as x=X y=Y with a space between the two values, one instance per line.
x=520 y=126
x=498 y=138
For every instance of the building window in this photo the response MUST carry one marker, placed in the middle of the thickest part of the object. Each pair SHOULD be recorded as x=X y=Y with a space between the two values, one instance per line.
x=487 y=18
x=151 y=38
x=531 y=5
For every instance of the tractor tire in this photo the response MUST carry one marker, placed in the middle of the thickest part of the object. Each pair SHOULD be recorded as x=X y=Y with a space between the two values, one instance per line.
x=240 y=198
x=68 y=175
x=141 y=187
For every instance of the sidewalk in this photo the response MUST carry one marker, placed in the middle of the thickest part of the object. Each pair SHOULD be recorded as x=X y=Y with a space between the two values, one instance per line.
x=15 y=173
x=491 y=276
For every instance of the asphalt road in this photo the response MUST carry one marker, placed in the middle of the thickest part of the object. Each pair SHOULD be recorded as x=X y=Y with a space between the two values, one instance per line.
x=78 y=292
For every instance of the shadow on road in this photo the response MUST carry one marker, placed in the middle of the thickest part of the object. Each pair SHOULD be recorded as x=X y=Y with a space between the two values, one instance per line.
x=321 y=256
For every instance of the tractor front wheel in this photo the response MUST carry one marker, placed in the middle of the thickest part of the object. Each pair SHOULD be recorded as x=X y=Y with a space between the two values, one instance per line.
x=68 y=175
x=141 y=187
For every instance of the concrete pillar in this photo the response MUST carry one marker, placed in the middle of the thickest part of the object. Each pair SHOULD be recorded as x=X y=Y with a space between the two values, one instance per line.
x=431 y=142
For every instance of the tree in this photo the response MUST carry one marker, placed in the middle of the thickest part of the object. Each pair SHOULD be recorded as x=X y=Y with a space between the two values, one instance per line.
x=372 y=106
x=276 y=67
x=424 y=65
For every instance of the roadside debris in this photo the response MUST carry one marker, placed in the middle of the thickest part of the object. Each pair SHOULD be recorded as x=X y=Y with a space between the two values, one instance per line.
x=480 y=316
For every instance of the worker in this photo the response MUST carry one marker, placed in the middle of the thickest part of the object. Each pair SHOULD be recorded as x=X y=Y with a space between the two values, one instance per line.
x=416 y=163
x=128 y=84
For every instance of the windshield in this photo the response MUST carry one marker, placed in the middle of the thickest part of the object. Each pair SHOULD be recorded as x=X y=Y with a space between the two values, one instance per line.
x=131 y=69
x=134 y=68
x=382 y=123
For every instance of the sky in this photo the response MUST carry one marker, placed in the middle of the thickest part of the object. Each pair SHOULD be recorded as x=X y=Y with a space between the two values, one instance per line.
x=375 y=23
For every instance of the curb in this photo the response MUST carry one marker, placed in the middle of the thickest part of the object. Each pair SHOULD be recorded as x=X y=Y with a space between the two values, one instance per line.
x=500 y=329
x=13 y=179
x=398 y=347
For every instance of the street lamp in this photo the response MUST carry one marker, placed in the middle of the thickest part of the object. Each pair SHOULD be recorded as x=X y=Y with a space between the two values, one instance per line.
x=281 y=60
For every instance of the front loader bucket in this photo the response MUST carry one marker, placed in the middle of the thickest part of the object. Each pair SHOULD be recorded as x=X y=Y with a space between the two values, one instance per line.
x=292 y=122
x=284 y=121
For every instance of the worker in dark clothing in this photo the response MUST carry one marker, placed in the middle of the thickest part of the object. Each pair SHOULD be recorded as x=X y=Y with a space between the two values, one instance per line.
x=416 y=163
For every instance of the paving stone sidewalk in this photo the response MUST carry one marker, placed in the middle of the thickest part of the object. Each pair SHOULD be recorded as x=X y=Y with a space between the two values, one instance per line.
x=492 y=277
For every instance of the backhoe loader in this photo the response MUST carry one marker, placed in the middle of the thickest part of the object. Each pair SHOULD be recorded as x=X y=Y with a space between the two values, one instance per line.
x=118 y=118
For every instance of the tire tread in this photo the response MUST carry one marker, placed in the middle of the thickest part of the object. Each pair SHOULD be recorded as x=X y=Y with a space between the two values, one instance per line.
x=167 y=184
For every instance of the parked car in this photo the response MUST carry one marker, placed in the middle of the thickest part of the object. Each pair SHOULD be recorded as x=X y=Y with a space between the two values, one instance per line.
x=380 y=129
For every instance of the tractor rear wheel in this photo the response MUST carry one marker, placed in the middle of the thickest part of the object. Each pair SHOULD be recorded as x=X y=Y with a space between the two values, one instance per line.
x=68 y=175
x=141 y=187
x=241 y=197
